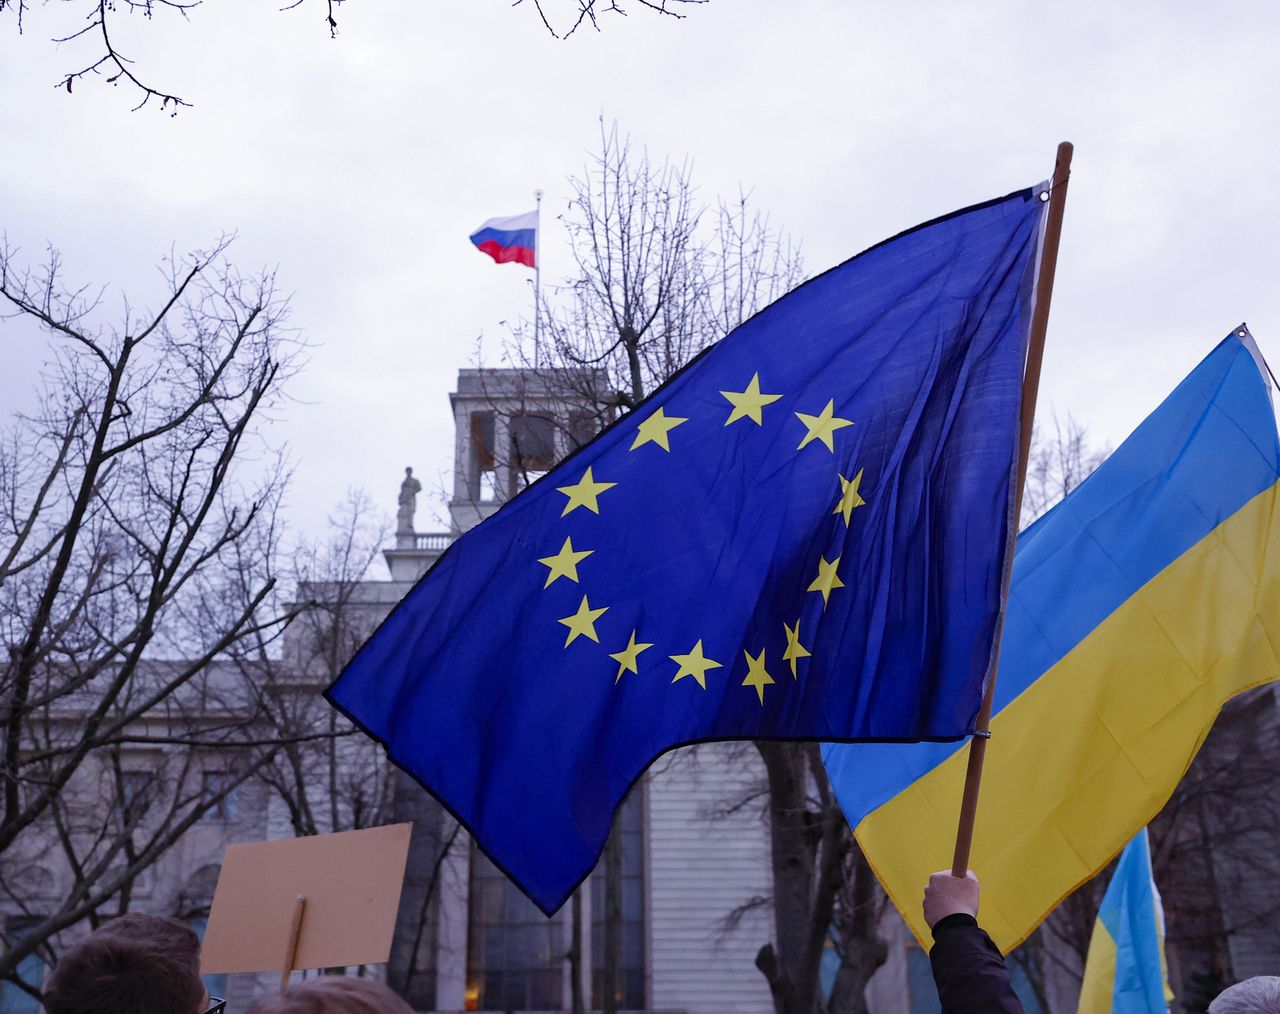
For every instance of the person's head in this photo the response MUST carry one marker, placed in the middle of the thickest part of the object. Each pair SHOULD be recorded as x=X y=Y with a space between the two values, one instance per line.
x=1259 y=995
x=332 y=994
x=136 y=964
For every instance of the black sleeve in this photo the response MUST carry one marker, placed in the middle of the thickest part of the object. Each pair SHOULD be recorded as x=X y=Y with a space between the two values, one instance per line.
x=970 y=974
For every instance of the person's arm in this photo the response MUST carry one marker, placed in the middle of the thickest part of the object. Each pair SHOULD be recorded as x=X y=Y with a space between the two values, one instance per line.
x=967 y=968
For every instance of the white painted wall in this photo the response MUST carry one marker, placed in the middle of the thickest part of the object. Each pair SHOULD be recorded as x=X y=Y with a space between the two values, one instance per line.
x=702 y=866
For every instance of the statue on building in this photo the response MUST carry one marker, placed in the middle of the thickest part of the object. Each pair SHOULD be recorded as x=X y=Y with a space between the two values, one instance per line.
x=409 y=490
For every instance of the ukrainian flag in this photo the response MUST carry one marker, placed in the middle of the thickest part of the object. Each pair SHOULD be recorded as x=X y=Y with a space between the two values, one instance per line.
x=1124 y=972
x=1138 y=606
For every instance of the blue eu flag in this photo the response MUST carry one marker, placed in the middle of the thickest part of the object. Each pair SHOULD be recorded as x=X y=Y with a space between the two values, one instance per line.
x=799 y=536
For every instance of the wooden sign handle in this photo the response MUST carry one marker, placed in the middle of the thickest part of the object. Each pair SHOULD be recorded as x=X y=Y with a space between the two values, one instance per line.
x=291 y=952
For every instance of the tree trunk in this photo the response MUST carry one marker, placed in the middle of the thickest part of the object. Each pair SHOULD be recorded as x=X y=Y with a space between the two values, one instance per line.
x=411 y=968
x=863 y=950
x=575 y=955
x=631 y=342
x=789 y=964
x=611 y=986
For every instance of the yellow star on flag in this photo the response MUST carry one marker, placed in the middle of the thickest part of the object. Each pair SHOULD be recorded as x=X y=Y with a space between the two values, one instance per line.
x=747 y=404
x=626 y=658
x=584 y=493
x=826 y=581
x=694 y=664
x=822 y=426
x=655 y=430
x=583 y=622
x=564 y=563
x=795 y=650
x=850 y=498
x=757 y=678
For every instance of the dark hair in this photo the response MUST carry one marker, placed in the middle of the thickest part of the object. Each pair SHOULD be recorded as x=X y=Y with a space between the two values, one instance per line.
x=136 y=964
x=332 y=994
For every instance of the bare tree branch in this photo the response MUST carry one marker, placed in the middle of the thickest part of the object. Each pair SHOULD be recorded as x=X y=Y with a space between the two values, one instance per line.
x=107 y=62
x=134 y=557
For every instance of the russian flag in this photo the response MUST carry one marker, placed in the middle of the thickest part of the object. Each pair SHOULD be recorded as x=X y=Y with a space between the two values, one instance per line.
x=513 y=238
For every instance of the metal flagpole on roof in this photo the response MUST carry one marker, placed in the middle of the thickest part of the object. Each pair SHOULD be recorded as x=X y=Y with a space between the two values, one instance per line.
x=537 y=273
x=1030 y=386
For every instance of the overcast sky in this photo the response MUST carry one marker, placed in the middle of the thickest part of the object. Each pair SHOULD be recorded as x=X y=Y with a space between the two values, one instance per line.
x=359 y=167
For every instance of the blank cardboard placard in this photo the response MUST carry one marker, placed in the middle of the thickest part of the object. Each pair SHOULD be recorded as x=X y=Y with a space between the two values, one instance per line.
x=351 y=882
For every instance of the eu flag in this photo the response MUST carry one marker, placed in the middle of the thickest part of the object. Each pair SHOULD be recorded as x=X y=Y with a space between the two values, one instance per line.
x=799 y=536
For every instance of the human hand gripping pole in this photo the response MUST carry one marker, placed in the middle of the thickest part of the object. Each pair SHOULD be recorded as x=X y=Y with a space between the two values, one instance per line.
x=947 y=894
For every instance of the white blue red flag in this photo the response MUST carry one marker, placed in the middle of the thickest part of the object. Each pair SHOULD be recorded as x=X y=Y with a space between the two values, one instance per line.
x=510 y=239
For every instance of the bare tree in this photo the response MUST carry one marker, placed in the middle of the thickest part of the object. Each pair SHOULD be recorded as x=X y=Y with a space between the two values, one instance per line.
x=326 y=775
x=105 y=60
x=860 y=905
x=1061 y=458
x=823 y=890
x=657 y=280
x=326 y=778
x=1213 y=845
x=590 y=12
x=135 y=552
x=660 y=277
x=98 y=19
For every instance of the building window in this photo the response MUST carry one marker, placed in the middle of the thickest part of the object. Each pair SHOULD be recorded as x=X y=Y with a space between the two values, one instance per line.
x=215 y=983
x=583 y=427
x=217 y=792
x=515 y=954
x=193 y=909
x=631 y=970
x=137 y=794
x=533 y=449
x=484 y=466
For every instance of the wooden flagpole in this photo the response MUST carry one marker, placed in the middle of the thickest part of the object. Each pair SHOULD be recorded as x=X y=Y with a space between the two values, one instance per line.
x=1030 y=388
x=291 y=951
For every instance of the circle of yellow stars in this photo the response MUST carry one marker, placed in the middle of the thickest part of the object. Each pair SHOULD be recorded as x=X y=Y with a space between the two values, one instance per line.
x=656 y=429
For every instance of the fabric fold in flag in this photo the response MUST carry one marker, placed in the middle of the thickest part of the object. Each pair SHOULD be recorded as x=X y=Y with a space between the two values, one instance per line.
x=801 y=535
x=1137 y=607
x=510 y=239
x=1124 y=971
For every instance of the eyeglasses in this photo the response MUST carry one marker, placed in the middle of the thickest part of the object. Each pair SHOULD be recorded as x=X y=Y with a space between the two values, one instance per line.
x=216 y=1005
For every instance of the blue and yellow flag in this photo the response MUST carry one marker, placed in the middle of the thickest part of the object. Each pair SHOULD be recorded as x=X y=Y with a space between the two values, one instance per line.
x=800 y=536
x=1124 y=972
x=1138 y=606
